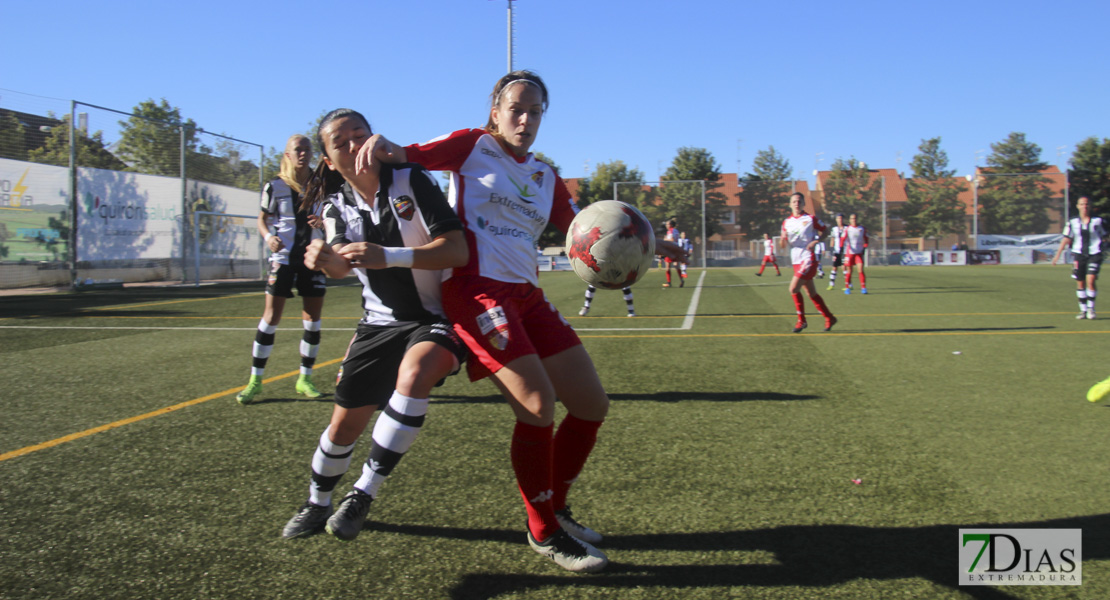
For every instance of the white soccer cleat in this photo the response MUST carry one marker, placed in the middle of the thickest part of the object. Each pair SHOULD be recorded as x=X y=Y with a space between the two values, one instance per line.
x=1091 y=314
x=585 y=311
x=569 y=552
x=578 y=530
x=1082 y=315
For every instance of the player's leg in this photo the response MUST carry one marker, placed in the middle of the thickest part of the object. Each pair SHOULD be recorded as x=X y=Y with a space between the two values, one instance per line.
x=862 y=278
x=587 y=405
x=590 y=291
x=310 y=344
x=799 y=304
x=848 y=273
x=531 y=395
x=819 y=303
x=1078 y=273
x=1092 y=289
x=425 y=363
x=667 y=262
x=628 y=301
x=264 y=340
x=762 y=265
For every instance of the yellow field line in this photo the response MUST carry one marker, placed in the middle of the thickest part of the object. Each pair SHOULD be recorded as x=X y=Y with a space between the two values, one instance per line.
x=827 y=335
x=161 y=411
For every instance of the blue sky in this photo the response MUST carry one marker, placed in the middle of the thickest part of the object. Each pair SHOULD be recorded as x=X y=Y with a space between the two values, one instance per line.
x=631 y=81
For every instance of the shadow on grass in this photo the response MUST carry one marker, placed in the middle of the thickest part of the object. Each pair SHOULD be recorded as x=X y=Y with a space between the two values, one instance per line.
x=654 y=397
x=326 y=397
x=952 y=329
x=810 y=556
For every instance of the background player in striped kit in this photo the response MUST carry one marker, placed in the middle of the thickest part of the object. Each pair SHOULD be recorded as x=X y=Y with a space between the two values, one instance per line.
x=837 y=248
x=392 y=225
x=505 y=198
x=291 y=233
x=800 y=232
x=1084 y=234
x=687 y=247
x=591 y=290
x=854 y=241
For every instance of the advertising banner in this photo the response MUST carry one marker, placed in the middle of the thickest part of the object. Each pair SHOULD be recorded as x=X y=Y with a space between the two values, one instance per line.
x=950 y=257
x=30 y=195
x=984 y=257
x=1017 y=256
x=916 y=258
x=1048 y=241
x=127 y=216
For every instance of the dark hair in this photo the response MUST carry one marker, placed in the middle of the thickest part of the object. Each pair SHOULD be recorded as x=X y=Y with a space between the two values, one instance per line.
x=514 y=77
x=800 y=195
x=325 y=181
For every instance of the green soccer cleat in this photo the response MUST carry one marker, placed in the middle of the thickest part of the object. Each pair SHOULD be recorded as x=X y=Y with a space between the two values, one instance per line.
x=306 y=387
x=249 y=393
x=1099 y=391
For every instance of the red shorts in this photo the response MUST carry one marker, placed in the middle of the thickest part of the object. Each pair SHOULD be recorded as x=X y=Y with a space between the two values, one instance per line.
x=806 y=269
x=853 y=259
x=769 y=258
x=500 y=322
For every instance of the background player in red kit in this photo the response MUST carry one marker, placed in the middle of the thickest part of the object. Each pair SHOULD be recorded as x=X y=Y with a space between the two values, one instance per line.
x=768 y=256
x=854 y=241
x=800 y=233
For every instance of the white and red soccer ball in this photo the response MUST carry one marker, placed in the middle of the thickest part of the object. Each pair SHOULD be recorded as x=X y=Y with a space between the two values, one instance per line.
x=610 y=244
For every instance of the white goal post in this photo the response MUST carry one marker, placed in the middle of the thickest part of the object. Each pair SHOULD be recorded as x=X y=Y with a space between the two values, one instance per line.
x=228 y=245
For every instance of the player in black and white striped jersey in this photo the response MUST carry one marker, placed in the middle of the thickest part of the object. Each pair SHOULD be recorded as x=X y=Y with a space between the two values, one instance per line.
x=1084 y=234
x=287 y=232
x=393 y=227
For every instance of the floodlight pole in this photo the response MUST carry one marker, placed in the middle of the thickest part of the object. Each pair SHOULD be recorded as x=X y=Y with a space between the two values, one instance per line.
x=704 y=236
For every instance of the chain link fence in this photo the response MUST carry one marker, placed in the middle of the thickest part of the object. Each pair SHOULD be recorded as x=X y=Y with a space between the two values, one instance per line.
x=91 y=196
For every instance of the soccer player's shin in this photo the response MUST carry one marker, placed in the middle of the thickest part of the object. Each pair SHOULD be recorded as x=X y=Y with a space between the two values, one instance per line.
x=574 y=440
x=310 y=345
x=531 y=453
x=329 y=463
x=263 y=345
x=394 y=433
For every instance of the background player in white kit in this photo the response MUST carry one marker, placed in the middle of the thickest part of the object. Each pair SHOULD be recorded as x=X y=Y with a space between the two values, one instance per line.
x=1084 y=234
x=800 y=233
x=855 y=241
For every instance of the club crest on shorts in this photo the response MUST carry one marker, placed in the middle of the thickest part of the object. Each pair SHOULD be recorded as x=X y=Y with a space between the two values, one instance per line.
x=495 y=326
x=404 y=207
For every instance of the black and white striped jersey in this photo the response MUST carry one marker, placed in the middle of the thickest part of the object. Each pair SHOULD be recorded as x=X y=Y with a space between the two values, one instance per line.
x=1086 y=238
x=408 y=211
x=290 y=224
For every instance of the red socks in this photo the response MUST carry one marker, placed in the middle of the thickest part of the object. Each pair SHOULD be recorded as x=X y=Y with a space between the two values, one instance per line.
x=574 y=440
x=531 y=453
x=799 y=306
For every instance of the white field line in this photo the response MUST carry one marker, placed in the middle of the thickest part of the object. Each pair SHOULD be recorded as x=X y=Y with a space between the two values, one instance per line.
x=687 y=323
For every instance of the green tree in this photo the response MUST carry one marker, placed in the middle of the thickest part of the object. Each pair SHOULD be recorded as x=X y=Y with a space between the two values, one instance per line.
x=850 y=188
x=933 y=208
x=4 y=236
x=764 y=194
x=57 y=245
x=1090 y=174
x=13 y=137
x=91 y=151
x=682 y=201
x=150 y=140
x=1013 y=196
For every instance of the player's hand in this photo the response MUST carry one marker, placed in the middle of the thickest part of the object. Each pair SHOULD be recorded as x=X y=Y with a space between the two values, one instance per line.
x=274 y=243
x=318 y=255
x=374 y=150
x=315 y=222
x=364 y=255
x=670 y=250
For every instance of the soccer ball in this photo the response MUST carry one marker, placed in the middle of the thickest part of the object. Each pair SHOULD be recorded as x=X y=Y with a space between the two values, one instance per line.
x=610 y=244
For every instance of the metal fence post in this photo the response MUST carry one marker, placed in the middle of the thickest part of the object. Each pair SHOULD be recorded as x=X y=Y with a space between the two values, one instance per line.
x=72 y=194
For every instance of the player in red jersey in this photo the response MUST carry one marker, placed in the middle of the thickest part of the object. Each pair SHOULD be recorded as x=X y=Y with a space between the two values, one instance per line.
x=505 y=198
x=854 y=241
x=768 y=256
x=800 y=233
x=673 y=235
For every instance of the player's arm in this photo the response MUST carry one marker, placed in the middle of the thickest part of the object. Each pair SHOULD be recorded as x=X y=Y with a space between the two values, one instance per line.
x=273 y=242
x=447 y=251
x=1064 y=243
x=377 y=149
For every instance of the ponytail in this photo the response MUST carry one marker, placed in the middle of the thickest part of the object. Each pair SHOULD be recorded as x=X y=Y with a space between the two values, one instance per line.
x=323 y=183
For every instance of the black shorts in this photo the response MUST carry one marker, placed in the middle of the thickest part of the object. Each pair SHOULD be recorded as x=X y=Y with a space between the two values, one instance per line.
x=310 y=284
x=838 y=259
x=369 y=372
x=1085 y=265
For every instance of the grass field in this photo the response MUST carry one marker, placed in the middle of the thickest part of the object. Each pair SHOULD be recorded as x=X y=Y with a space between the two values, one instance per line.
x=725 y=469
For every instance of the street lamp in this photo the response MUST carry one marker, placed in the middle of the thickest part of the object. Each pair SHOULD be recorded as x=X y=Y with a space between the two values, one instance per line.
x=974 y=181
